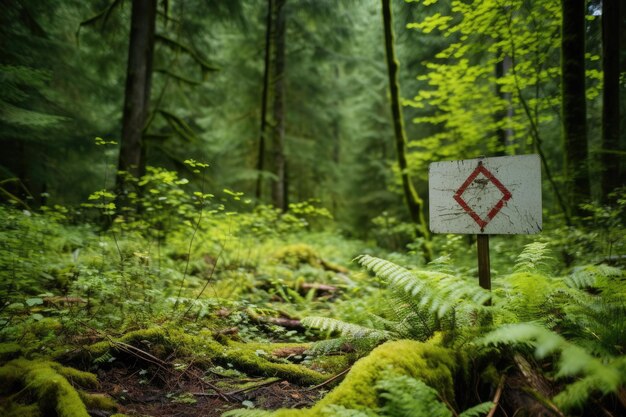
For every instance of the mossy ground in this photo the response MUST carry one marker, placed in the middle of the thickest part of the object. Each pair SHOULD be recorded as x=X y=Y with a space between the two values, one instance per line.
x=37 y=387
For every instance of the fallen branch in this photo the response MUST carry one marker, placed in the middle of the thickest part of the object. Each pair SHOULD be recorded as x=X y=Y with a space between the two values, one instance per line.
x=496 y=397
x=287 y=323
x=538 y=387
x=306 y=286
x=239 y=391
x=331 y=379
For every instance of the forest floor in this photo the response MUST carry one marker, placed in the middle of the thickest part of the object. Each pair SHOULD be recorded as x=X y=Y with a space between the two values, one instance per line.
x=187 y=394
x=239 y=322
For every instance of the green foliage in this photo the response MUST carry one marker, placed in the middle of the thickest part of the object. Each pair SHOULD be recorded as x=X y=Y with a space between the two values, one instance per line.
x=534 y=258
x=593 y=375
x=440 y=294
x=404 y=396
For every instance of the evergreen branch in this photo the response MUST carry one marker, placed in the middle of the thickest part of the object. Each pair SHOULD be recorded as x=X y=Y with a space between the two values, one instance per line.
x=177 y=77
x=179 y=125
x=174 y=44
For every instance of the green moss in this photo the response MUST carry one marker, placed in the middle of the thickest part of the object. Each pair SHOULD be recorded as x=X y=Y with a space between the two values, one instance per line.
x=84 y=379
x=48 y=383
x=432 y=364
x=332 y=364
x=156 y=340
x=10 y=377
x=20 y=410
x=297 y=254
x=54 y=393
x=44 y=327
x=203 y=348
x=246 y=357
x=98 y=401
x=9 y=351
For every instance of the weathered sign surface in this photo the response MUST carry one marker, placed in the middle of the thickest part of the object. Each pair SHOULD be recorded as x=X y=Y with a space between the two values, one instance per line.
x=500 y=195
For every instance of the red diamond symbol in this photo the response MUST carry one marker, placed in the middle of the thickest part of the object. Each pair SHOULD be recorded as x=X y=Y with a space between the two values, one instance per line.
x=506 y=195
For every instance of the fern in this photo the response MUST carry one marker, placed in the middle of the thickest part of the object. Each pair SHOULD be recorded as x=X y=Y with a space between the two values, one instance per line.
x=404 y=396
x=477 y=410
x=534 y=258
x=438 y=292
x=104 y=358
x=597 y=323
x=422 y=303
x=594 y=375
x=592 y=276
x=345 y=329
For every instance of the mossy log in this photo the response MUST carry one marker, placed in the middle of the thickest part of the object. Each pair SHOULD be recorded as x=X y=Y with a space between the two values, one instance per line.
x=252 y=358
x=429 y=362
x=40 y=388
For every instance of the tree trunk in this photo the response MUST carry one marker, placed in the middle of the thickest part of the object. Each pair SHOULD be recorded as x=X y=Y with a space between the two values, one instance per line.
x=574 y=104
x=611 y=96
x=138 y=83
x=264 y=98
x=504 y=134
x=622 y=65
x=414 y=202
x=279 y=185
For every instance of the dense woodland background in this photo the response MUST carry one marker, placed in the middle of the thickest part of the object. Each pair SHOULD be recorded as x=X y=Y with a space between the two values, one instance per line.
x=180 y=170
x=306 y=104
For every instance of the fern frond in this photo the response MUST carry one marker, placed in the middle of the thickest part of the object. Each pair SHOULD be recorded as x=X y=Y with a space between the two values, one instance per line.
x=574 y=361
x=326 y=347
x=345 y=329
x=534 y=258
x=438 y=292
x=477 y=410
x=409 y=397
x=591 y=276
x=597 y=323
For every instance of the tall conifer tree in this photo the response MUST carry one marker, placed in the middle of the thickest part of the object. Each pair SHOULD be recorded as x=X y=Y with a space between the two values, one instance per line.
x=574 y=108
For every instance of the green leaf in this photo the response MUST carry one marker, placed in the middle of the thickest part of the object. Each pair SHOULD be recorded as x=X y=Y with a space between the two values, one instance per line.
x=34 y=301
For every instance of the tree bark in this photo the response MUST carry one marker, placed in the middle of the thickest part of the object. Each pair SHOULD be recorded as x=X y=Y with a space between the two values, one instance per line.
x=138 y=84
x=505 y=135
x=574 y=104
x=414 y=203
x=622 y=65
x=264 y=97
x=279 y=188
x=610 y=96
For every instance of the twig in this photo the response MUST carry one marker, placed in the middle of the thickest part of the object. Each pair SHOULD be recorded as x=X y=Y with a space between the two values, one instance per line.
x=255 y=387
x=141 y=354
x=445 y=401
x=239 y=391
x=329 y=380
x=496 y=397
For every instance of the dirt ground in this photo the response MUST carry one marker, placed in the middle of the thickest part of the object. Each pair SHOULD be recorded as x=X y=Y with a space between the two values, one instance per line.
x=190 y=393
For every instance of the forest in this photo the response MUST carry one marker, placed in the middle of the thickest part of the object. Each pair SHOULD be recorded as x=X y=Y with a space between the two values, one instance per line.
x=241 y=208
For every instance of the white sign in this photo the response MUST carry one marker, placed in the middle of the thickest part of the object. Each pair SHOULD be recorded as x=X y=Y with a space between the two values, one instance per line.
x=499 y=195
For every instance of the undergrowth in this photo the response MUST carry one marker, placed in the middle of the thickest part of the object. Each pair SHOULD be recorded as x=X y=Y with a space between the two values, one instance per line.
x=191 y=277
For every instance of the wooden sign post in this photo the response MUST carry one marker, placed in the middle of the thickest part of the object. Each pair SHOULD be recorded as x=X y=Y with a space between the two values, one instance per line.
x=484 y=196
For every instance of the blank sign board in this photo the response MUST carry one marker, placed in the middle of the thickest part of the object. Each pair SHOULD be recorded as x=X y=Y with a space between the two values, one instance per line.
x=499 y=195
